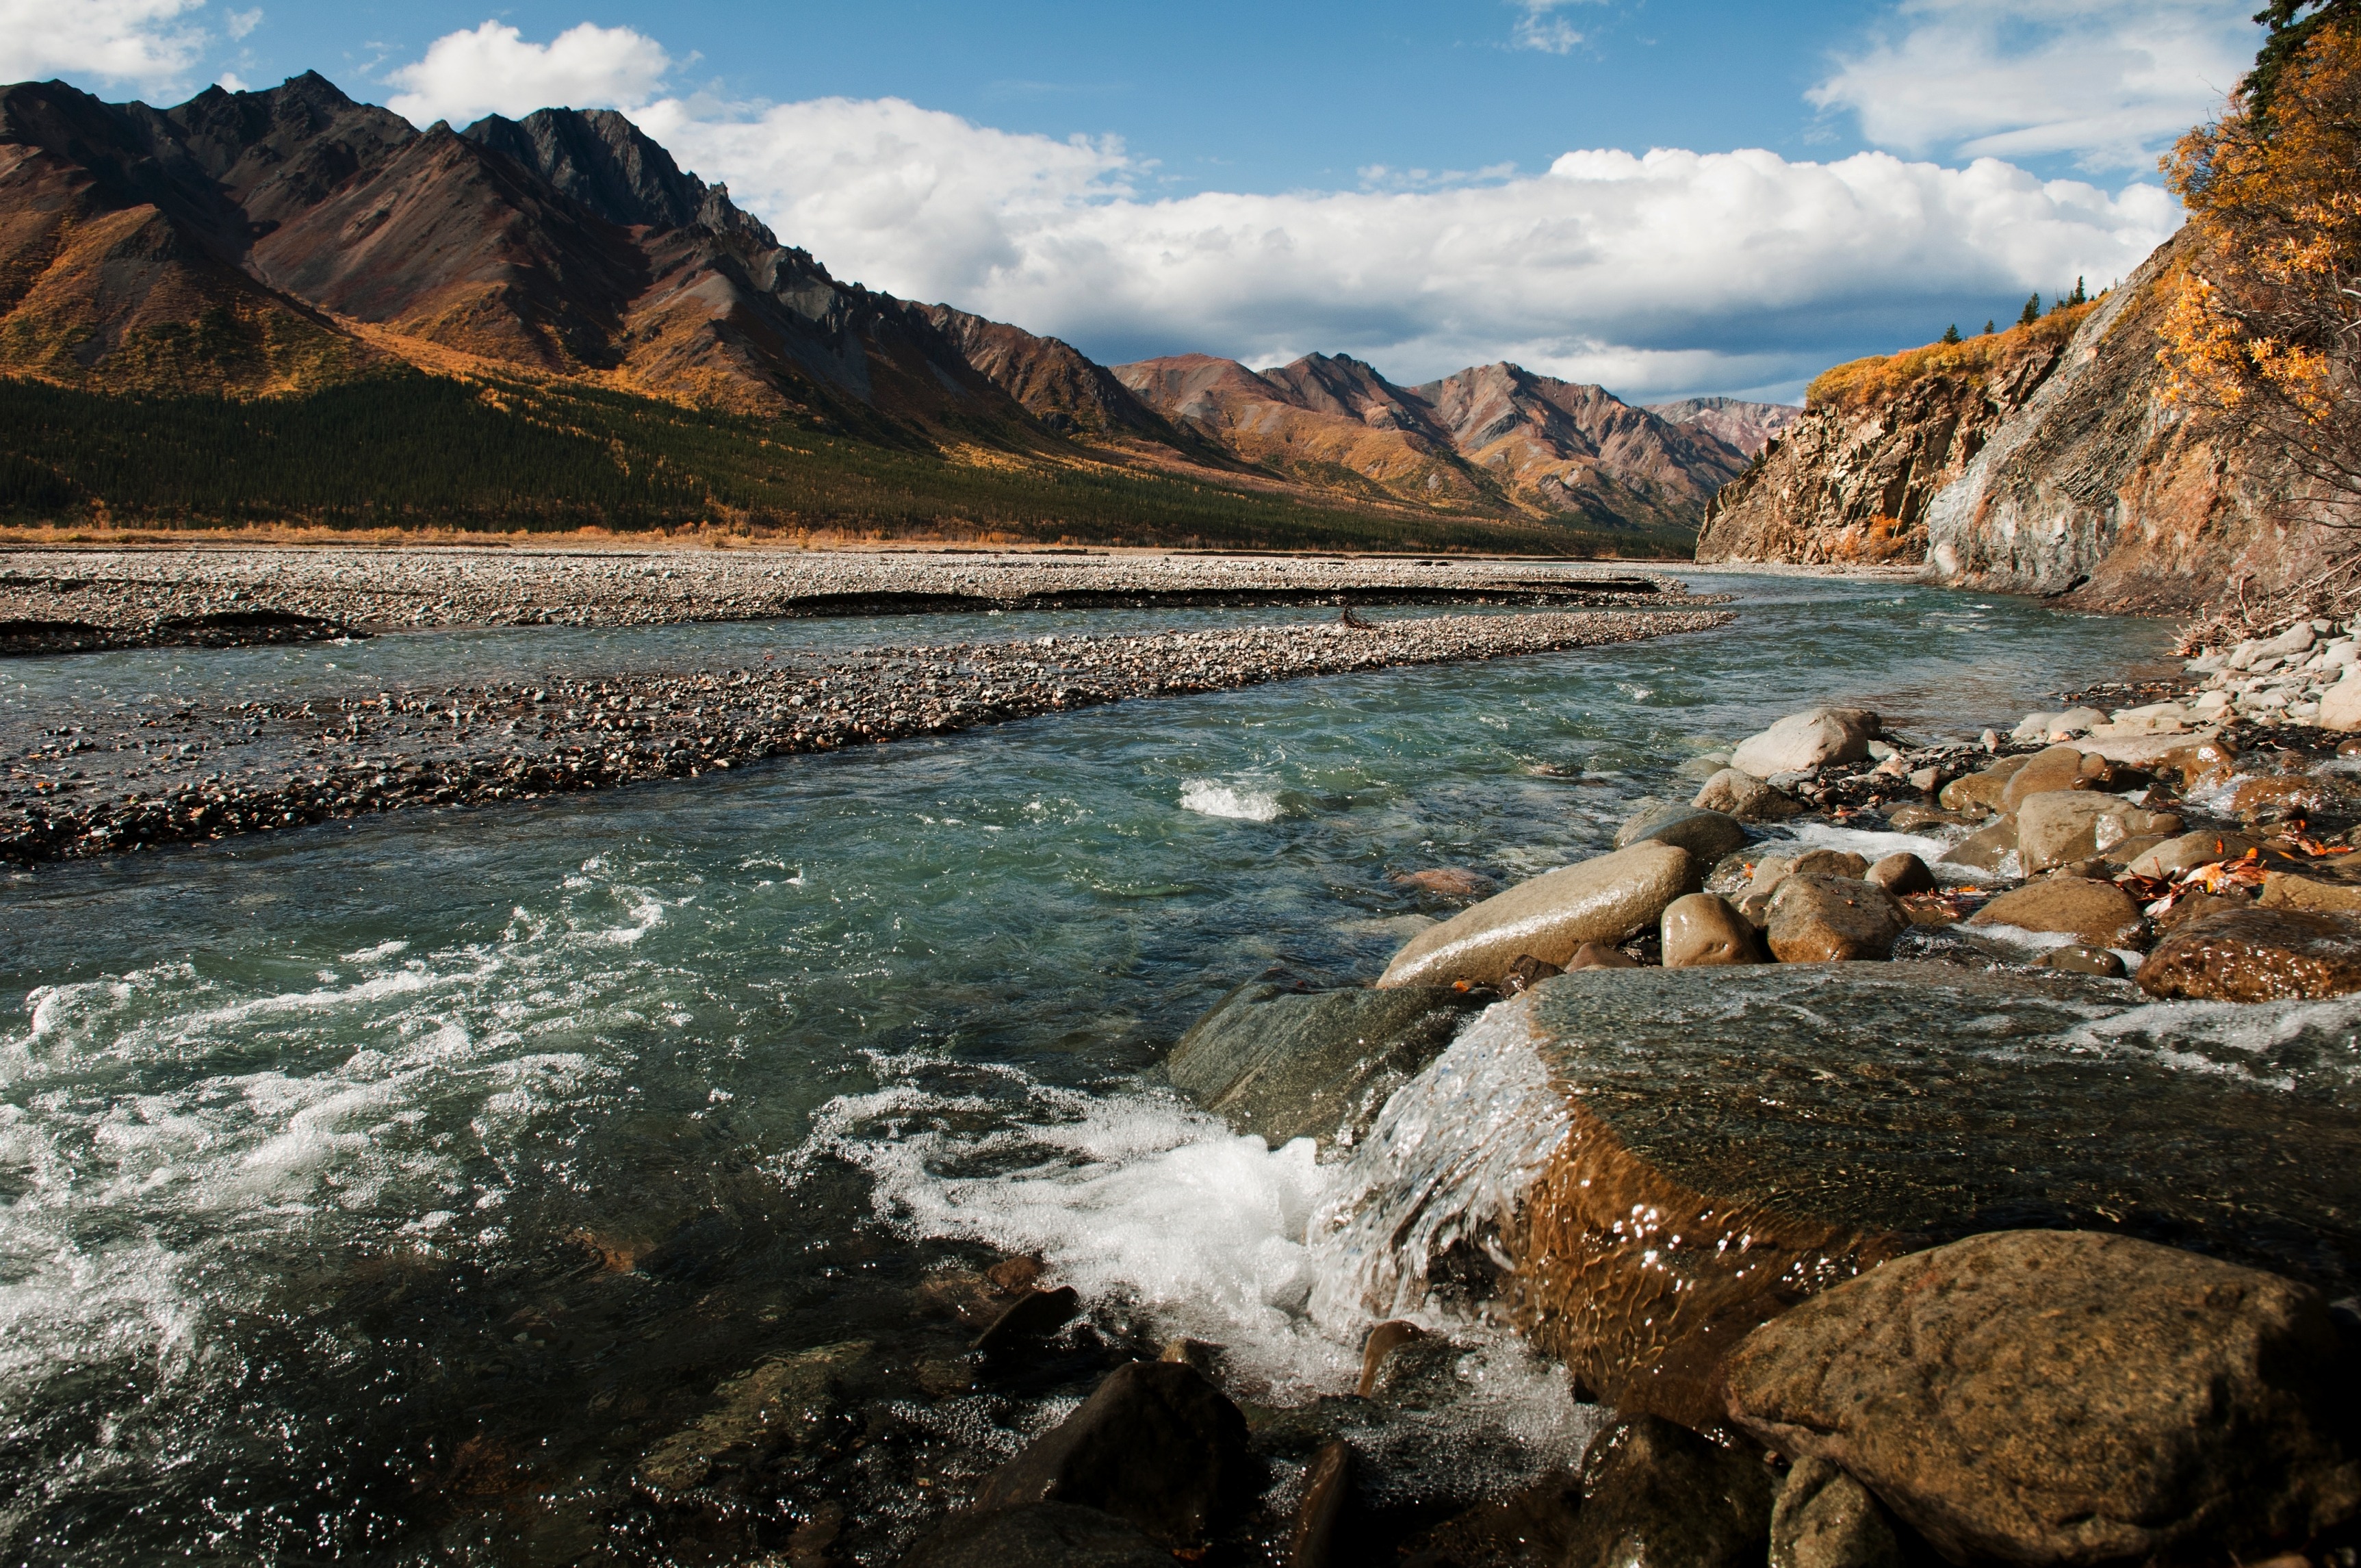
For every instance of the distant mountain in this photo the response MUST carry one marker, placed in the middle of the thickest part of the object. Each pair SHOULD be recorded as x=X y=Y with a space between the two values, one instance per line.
x=289 y=242
x=1495 y=437
x=1749 y=427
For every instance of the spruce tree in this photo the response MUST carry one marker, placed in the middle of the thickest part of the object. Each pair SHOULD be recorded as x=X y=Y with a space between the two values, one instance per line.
x=2031 y=312
x=1988 y=328
x=1951 y=333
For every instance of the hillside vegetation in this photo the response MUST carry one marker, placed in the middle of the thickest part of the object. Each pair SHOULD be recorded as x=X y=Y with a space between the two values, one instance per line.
x=1880 y=378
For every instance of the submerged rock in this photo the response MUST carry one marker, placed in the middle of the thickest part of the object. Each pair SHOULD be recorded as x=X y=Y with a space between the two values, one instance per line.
x=1735 y=1139
x=1604 y=900
x=1657 y=1494
x=1802 y=741
x=1156 y=1445
x=2252 y=954
x=1992 y=848
x=1285 y=1064
x=2060 y=1398
x=782 y=1403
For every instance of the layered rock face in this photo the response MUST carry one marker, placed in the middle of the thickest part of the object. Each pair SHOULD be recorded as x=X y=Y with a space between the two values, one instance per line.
x=2054 y=467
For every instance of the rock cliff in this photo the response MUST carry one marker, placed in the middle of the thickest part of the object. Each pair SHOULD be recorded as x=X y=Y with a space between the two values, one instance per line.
x=2042 y=460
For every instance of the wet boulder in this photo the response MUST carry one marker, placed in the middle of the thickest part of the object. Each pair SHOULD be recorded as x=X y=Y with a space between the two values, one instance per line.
x=1822 y=1517
x=1991 y=848
x=2291 y=890
x=1703 y=930
x=782 y=1403
x=2097 y=913
x=1288 y=1064
x=1656 y=1494
x=2059 y=768
x=2059 y=827
x=1978 y=793
x=1721 y=1143
x=1829 y=919
x=1707 y=835
x=2253 y=954
x=2066 y=1398
x=2190 y=850
x=1156 y=1445
x=1604 y=900
x=1902 y=874
x=1038 y=1535
x=1746 y=798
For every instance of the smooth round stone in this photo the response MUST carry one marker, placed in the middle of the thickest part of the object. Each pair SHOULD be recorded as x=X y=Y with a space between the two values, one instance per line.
x=1702 y=930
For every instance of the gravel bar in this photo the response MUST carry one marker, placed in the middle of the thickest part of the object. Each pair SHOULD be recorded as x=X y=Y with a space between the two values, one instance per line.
x=66 y=600
x=183 y=774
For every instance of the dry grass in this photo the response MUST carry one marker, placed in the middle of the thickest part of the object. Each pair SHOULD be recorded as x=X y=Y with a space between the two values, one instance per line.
x=1879 y=378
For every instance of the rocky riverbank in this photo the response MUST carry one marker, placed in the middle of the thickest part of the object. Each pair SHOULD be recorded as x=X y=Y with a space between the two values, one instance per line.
x=202 y=774
x=66 y=600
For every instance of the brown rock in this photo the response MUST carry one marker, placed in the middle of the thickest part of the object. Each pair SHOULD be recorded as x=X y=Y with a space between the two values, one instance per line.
x=1823 y=1519
x=1598 y=955
x=1447 y=882
x=1979 y=794
x=1530 y=1528
x=1828 y=862
x=2059 y=768
x=2193 y=906
x=1527 y=972
x=2252 y=954
x=1908 y=818
x=2282 y=793
x=2057 y=828
x=1035 y=1315
x=1902 y=874
x=1155 y=1444
x=2190 y=850
x=1381 y=1342
x=2098 y=913
x=1602 y=900
x=1653 y=1491
x=1701 y=929
x=1992 y=848
x=2285 y=890
x=2209 y=764
x=1746 y=798
x=2049 y=1396
x=2081 y=959
x=1826 y=919
x=1327 y=1494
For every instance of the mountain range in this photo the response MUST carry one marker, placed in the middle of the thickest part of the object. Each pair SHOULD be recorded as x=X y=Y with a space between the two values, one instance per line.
x=297 y=253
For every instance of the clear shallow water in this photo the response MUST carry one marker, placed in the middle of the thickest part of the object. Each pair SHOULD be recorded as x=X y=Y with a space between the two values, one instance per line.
x=382 y=1192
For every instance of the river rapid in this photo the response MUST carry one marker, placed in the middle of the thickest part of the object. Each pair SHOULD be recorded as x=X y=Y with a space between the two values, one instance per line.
x=388 y=1191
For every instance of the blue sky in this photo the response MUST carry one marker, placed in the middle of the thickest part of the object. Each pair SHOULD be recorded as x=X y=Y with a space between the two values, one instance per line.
x=1708 y=197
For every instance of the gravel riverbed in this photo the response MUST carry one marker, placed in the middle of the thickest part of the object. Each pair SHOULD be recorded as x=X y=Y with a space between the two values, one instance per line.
x=191 y=774
x=70 y=600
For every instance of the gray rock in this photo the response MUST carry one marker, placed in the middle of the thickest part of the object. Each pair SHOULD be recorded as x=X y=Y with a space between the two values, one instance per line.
x=1823 y=1519
x=2052 y=1397
x=1656 y=1494
x=1285 y=1064
x=1813 y=739
x=1707 y=835
x=1604 y=900
x=1746 y=798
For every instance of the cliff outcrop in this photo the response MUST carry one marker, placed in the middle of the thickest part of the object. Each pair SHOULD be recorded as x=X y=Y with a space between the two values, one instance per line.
x=2044 y=460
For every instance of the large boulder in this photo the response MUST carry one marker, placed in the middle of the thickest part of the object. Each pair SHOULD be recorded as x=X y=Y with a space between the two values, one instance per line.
x=1803 y=742
x=1707 y=835
x=1746 y=798
x=1827 y=919
x=1655 y=1493
x=2059 y=768
x=1156 y=1445
x=2251 y=954
x=2059 y=827
x=2098 y=913
x=2045 y=1397
x=1704 y=1146
x=1604 y=900
x=1272 y=1059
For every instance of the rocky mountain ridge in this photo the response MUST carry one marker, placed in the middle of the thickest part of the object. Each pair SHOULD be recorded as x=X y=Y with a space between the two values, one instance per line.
x=275 y=243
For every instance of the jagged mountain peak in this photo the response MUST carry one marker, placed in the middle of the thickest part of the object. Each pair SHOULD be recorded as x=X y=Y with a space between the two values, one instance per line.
x=611 y=166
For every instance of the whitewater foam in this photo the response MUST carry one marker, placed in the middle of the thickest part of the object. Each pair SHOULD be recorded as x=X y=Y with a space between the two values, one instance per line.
x=1210 y=797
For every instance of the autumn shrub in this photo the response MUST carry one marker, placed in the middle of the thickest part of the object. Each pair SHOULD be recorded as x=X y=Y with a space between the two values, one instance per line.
x=1879 y=379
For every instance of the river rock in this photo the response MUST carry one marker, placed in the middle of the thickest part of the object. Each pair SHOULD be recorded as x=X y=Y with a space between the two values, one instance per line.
x=1598 y=955
x=1802 y=741
x=1722 y=1141
x=1656 y=1493
x=1701 y=929
x=1822 y=1517
x=2098 y=913
x=2058 y=827
x=1981 y=792
x=1902 y=874
x=1328 y=1483
x=1992 y=848
x=2281 y=795
x=2190 y=850
x=1829 y=919
x=1746 y=798
x=2288 y=890
x=1705 y=834
x=1038 y=1535
x=1604 y=900
x=2340 y=707
x=1156 y=1445
x=2059 y=767
x=782 y=1402
x=1270 y=1060
x=2252 y=954
x=2082 y=958
x=2205 y=764
x=1529 y=1528
x=1732 y=876
x=2067 y=1398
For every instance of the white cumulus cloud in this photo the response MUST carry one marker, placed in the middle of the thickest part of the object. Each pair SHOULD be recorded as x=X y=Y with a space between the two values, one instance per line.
x=1672 y=272
x=146 y=43
x=2106 y=83
x=495 y=70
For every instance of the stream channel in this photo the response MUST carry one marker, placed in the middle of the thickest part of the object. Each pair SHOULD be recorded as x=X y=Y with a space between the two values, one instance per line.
x=388 y=1191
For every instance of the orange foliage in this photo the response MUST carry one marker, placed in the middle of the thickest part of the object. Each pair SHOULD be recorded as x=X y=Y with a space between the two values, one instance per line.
x=1878 y=378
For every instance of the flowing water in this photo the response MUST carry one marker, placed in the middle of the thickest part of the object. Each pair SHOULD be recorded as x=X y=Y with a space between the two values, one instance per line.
x=387 y=1191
